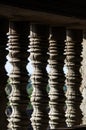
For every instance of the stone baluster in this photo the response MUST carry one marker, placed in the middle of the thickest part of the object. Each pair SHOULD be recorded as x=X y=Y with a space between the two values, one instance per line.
x=3 y=75
x=56 y=78
x=18 y=98
x=83 y=87
x=38 y=55
x=73 y=50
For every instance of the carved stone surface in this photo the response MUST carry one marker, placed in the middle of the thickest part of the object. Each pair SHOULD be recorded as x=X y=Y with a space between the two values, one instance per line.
x=56 y=78
x=83 y=87
x=3 y=75
x=73 y=50
x=38 y=55
x=18 y=98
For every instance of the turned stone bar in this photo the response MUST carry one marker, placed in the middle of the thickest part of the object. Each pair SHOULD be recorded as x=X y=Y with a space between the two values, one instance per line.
x=18 y=97
x=56 y=77
x=38 y=55
x=73 y=60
